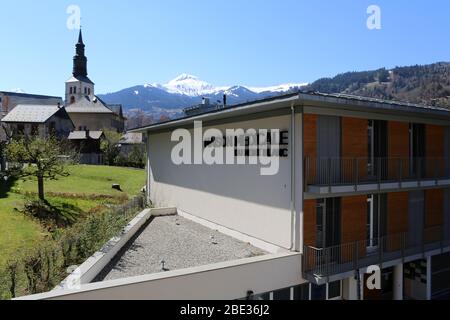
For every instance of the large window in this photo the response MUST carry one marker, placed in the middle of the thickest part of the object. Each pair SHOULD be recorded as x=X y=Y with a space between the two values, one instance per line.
x=373 y=231
x=34 y=129
x=304 y=292
x=417 y=149
x=376 y=210
x=377 y=148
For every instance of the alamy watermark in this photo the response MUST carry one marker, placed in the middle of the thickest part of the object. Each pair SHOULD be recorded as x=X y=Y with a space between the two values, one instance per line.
x=374 y=19
x=262 y=147
x=74 y=19
x=373 y=281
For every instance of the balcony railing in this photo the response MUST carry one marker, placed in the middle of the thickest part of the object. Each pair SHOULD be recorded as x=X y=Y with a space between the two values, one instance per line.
x=323 y=263
x=356 y=171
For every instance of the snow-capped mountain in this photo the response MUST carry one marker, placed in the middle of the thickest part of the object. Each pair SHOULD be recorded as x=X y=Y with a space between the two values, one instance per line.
x=188 y=90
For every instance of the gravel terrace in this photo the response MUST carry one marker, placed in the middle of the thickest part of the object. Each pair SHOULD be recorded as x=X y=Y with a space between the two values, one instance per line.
x=179 y=242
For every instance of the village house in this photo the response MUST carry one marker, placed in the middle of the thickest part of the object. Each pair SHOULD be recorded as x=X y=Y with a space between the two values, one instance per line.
x=38 y=120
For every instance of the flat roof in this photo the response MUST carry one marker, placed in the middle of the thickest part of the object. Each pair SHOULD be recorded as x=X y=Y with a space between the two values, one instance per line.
x=337 y=101
x=180 y=243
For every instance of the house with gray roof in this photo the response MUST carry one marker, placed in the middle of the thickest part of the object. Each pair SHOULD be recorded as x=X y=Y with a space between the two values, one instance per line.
x=38 y=120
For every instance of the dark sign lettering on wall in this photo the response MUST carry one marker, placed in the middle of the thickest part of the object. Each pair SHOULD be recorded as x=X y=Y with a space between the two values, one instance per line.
x=255 y=145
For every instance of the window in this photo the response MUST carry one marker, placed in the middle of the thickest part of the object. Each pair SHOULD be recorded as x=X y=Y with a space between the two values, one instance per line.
x=71 y=90
x=85 y=90
x=75 y=90
x=334 y=290
x=417 y=149
x=328 y=225
x=377 y=146
x=330 y=291
x=20 y=129
x=72 y=99
x=304 y=292
x=301 y=292
x=34 y=129
x=373 y=221
x=282 y=295
x=89 y=91
x=371 y=137
x=318 y=292
x=52 y=128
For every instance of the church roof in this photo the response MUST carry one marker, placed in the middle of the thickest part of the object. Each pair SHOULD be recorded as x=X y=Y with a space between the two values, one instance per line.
x=31 y=113
x=80 y=78
x=88 y=105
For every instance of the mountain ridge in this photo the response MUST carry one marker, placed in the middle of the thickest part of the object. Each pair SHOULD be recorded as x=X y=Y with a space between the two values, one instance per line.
x=419 y=84
x=188 y=90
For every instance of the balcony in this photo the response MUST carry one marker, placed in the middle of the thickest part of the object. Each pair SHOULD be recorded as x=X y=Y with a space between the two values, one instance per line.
x=335 y=263
x=331 y=176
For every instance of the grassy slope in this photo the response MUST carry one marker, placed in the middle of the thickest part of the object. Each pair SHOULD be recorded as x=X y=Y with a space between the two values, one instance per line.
x=94 y=180
x=18 y=232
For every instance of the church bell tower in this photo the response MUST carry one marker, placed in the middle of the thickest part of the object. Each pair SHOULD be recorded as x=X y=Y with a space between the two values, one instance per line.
x=79 y=85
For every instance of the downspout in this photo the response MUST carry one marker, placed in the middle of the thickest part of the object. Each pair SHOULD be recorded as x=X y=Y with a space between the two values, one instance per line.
x=293 y=189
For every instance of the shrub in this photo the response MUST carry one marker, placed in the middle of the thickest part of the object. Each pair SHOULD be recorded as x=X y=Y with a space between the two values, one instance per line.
x=42 y=268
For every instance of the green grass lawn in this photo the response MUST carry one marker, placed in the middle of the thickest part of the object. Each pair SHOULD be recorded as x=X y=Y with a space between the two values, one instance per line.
x=74 y=194
x=93 y=180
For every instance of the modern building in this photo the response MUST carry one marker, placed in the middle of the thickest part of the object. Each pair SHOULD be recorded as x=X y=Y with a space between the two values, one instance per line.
x=38 y=120
x=365 y=182
x=361 y=185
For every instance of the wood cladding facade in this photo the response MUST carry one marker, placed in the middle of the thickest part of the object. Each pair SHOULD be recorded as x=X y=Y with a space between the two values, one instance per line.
x=434 y=149
x=397 y=212
x=354 y=138
x=435 y=139
x=397 y=219
x=354 y=218
x=354 y=146
x=310 y=143
x=398 y=147
x=309 y=223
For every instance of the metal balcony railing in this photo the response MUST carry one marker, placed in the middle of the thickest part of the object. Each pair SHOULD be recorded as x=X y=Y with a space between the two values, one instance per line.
x=326 y=262
x=356 y=171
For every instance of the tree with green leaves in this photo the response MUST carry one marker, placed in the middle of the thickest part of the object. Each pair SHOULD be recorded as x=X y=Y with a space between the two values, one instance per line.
x=110 y=146
x=43 y=159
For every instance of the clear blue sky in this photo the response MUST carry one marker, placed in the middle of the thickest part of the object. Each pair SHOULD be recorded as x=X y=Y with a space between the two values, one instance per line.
x=249 y=42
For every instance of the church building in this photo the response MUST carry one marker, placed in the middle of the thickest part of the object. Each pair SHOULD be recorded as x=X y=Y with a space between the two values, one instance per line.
x=87 y=111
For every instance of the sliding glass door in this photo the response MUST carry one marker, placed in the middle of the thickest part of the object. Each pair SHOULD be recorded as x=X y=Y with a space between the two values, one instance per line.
x=328 y=232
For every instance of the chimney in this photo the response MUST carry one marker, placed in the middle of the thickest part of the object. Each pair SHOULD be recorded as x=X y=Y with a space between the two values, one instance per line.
x=224 y=100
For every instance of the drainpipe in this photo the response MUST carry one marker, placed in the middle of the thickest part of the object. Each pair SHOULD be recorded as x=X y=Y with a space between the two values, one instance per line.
x=293 y=189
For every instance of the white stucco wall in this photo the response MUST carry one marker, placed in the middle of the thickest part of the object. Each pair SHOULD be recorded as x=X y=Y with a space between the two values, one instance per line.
x=235 y=196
